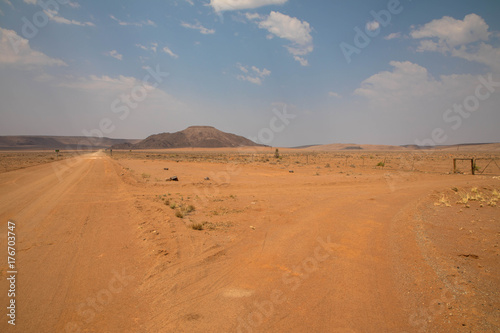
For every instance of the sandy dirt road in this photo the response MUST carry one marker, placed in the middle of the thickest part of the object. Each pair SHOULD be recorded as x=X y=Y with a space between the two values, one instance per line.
x=97 y=251
x=76 y=247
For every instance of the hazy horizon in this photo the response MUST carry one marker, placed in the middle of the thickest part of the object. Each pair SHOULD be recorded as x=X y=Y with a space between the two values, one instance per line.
x=295 y=146
x=285 y=72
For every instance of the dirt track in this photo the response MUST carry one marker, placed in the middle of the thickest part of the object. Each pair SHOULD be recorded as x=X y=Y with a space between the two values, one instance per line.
x=99 y=251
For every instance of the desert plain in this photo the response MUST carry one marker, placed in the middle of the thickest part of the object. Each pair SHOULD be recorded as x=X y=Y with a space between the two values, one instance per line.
x=246 y=241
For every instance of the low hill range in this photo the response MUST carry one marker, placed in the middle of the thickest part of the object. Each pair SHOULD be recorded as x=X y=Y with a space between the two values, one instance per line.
x=39 y=142
x=202 y=137
x=194 y=136
x=370 y=147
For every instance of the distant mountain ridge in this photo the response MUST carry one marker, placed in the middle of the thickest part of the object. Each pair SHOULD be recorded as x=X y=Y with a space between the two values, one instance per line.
x=33 y=142
x=191 y=137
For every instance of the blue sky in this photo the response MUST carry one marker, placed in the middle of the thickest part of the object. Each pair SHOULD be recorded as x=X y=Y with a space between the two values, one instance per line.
x=283 y=72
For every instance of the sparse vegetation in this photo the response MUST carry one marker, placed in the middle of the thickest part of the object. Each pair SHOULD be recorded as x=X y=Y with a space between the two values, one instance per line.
x=197 y=226
x=466 y=198
x=146 y=175
x=179 y=214
x=381 y=164
x=443 y=201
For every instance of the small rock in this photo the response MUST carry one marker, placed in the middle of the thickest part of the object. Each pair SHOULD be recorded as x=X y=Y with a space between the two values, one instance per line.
x=252 y=227
x=291 y=171
x=207 y=178
x=165 y=169
x=172 y=179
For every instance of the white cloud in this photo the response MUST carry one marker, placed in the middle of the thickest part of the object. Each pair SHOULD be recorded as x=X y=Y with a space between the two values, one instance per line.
x=451 y=32
x=74 y=4
x=388 y=85
x=253 y=75
x=151 y=47
x=101 y=83
x=302 y=61
x=16 y=51
x=190 y=2
x=485 y=54
x=253 y=16
x=393 y=35
x=408 y=85
x=226 y=5
x=428 y=45
x=261 y=73
x=459 y=38
x=199 y=27
x=334 y=94
x=114 y=54
x=31 y=2
x=58 y=19
x=44 y=77
x=251 y=79
x=292 y=29
x=242 y=68
x=136 y=24
x=372 y=25
x=170 y=53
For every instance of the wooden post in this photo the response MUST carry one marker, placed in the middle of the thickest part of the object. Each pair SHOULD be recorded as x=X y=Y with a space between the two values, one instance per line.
x=472 y=166
x=454 y=165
